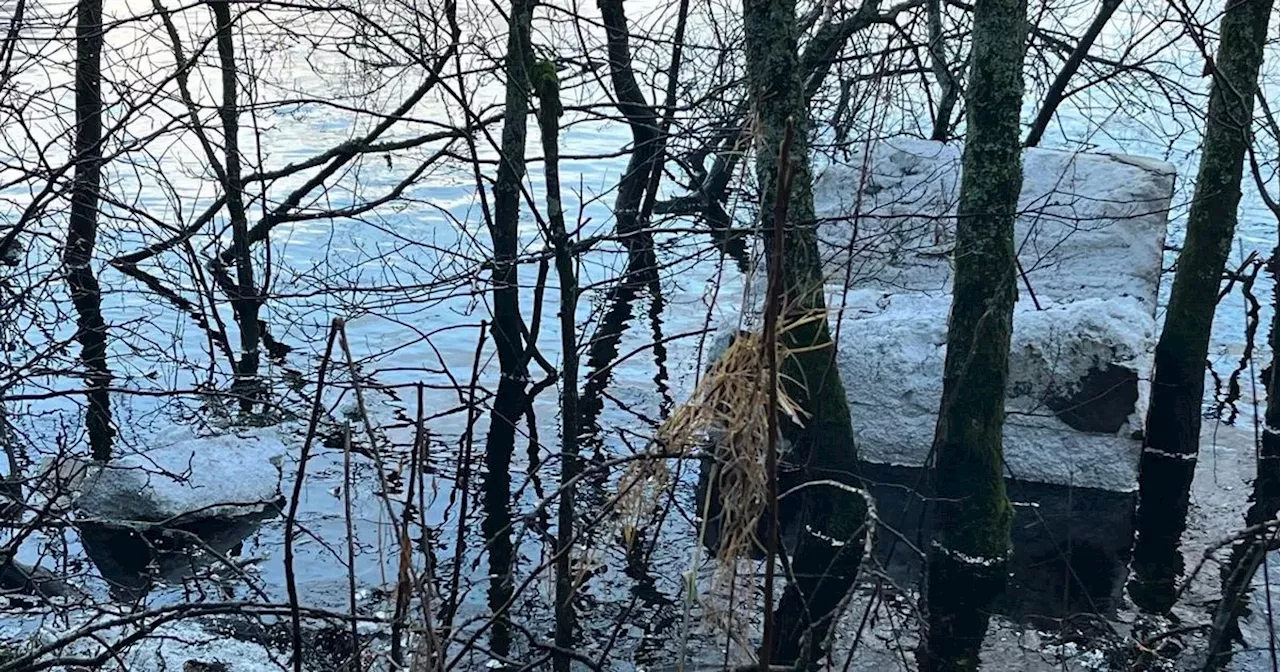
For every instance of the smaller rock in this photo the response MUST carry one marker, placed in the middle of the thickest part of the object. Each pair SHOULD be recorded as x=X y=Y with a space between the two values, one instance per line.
x=30 y=580
x=202 y=666
x=10 y=254
x=212 y=477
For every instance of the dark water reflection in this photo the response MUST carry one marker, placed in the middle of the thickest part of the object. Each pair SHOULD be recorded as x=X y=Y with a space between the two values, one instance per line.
x=133 y=559
x=1071 y=545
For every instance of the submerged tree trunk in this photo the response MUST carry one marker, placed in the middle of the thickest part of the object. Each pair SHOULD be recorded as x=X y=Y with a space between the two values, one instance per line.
x=82 y=228
x=507 y=324
x=970 y=550
x=549 y=110
x=823 y=448
x=509 y=402
x=1177 y=390
x=244 y=294
x=643 y=121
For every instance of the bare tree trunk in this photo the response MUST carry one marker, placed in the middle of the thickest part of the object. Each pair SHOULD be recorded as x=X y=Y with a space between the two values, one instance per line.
x=549 y=110
x=244 y=294
x=7 y=49
x=509 y=403
x=668 y=116
x=949 y=88
x=970 y=550
x=506 y=197
x=82 y=229
x=823 y=448
x=1057 y=90
x=643 y=122
x=1177 y=390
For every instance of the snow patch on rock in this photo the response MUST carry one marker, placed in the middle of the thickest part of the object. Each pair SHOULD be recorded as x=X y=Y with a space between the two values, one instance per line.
x=1089 y=237
x=1089 y=226
x=187 y=477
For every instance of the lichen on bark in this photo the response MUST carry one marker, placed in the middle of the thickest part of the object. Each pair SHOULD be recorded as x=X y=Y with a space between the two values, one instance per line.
x=971 y=545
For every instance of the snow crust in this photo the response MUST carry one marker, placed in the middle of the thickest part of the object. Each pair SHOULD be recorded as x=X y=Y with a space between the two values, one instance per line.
x=1090 y=237
x=170 y=647
x=192 y=477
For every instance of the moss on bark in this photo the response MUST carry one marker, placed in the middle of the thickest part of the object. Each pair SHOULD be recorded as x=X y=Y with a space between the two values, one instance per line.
x=1177 y=390
x=824 y=447
x=971 y=545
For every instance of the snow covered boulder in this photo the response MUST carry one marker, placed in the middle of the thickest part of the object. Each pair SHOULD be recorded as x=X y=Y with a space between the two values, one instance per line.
x=1090 y=238
x=186 y=480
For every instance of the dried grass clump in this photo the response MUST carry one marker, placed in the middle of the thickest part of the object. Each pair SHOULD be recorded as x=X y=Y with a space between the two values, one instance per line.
x=728 y=411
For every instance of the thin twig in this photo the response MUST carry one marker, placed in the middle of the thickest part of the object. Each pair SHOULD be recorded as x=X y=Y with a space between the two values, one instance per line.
x=291 y=581
x=773 y=304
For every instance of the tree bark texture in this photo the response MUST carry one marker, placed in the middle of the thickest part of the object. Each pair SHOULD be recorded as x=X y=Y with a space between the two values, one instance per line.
x=824 y=446
x=1177 y=390
x=969 y=554
x=82 y=228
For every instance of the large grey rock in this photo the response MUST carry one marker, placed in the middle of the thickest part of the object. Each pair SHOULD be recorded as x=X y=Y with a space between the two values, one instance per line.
x=1090 y=239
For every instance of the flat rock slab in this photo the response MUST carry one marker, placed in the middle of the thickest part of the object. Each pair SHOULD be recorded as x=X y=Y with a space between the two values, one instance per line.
x=186 y=479
x=1090 y=240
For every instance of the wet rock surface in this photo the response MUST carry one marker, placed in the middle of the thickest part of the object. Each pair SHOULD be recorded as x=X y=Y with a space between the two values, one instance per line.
x=134 y=558
x=167 y=513
x=18 y=579
x=325 y=646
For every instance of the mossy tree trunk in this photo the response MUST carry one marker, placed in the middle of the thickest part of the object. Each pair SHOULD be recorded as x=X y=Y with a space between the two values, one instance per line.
x=970 y=550
x=823 y=448
x=1177 y=390
x=546 y=86
x=82 y=228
